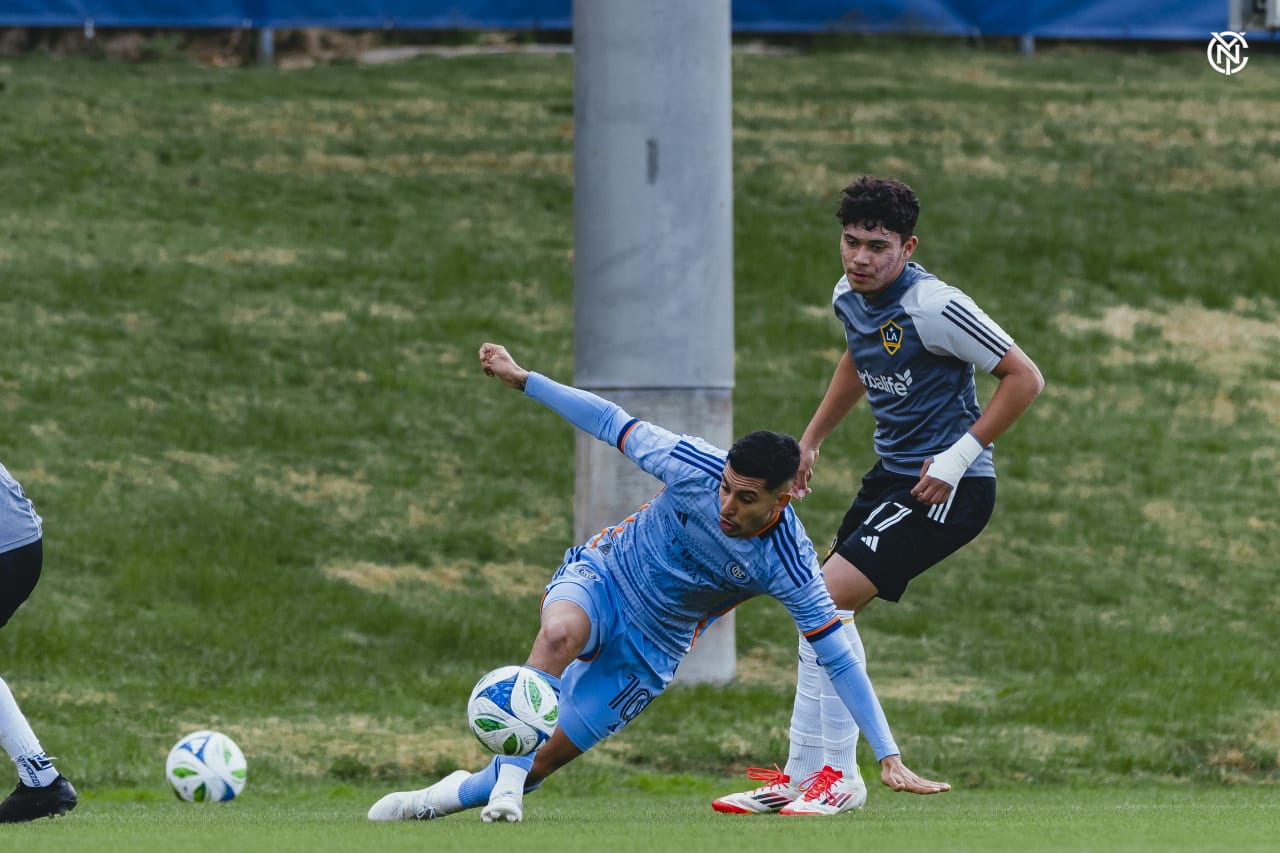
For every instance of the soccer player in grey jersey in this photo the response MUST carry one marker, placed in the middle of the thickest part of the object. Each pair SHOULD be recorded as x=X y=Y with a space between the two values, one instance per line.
x=42 y=791
x=912 y=345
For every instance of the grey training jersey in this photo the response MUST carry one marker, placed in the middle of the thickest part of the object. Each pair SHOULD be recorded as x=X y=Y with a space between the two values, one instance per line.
x=915 y=347
x=19 y=523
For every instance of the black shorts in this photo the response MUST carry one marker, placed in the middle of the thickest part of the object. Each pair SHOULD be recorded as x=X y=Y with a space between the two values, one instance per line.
x=19 y=572
x=891 y=537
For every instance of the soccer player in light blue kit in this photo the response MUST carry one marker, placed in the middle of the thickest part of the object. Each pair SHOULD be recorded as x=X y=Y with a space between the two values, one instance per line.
x=624 y=608
x=913 y=343
x=41 y=791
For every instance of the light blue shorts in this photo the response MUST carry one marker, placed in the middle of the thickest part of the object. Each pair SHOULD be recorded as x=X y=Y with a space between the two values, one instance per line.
x=620 y=671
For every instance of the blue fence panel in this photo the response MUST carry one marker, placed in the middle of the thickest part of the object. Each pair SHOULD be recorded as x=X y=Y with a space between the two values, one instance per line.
x=334 y=14
x=1191 y=20
x=1127 y=19
x=126 y=13
x=408 y=14
x=870 y=16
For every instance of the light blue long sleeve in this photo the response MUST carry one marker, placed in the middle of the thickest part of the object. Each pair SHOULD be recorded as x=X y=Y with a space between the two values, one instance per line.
x=849 y=677
x=592 y=414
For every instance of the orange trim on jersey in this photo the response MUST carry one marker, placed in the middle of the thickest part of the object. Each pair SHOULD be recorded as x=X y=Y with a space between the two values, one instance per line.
x=823 y=628
x=622 y=439
x=698 y=630
x=773 y=522
x=693 y=641
x=630 y=519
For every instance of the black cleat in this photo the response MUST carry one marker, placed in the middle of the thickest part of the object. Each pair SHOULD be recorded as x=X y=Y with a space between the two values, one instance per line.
x=30 y=803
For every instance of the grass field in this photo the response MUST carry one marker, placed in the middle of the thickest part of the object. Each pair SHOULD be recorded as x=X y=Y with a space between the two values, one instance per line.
x=638 y=818
x=241 y=309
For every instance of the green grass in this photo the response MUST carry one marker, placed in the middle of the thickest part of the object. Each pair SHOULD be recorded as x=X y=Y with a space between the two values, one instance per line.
x=640 y=818
x=241 y=308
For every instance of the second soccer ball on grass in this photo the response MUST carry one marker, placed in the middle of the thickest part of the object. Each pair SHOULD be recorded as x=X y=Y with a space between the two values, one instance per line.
x=513 y=710
x=206 y=767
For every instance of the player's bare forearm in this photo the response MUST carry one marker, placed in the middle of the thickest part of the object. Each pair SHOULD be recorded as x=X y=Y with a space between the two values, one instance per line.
x=899 y=777
x=496 y=361
x=1020 y=384
x=843 y=393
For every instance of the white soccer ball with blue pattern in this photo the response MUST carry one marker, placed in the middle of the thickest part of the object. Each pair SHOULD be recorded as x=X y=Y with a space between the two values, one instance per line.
x=206 y=767
x=513 y=710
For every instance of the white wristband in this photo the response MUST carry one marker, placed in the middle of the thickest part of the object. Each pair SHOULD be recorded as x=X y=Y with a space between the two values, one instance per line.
x=949 y=465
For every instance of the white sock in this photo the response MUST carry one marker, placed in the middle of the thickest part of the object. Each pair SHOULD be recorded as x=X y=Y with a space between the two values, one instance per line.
x=447 y=795
x=510 y=780
x=805 y=755
x=839 y=731
x=34 y=767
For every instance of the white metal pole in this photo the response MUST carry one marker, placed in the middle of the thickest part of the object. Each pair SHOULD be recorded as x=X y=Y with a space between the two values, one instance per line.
x=653 y=245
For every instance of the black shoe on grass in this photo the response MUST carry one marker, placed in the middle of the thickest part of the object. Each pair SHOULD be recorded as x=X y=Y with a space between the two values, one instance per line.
x=30 y=803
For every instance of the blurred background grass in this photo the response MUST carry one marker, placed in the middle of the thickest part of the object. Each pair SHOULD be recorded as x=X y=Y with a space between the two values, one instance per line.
x=241 y=307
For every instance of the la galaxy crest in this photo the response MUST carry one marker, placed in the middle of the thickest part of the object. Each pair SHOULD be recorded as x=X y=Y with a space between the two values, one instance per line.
x=891 y=336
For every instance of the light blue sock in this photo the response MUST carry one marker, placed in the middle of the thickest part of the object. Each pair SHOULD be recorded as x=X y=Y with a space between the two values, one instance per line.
x=476 y=790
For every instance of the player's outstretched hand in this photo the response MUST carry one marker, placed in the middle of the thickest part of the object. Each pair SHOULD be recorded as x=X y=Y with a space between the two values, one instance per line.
x=496 y=361
x=800 y=488
x=899 y=777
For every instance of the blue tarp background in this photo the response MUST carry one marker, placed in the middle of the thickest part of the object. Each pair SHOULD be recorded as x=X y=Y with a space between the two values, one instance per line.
x=1191 y=20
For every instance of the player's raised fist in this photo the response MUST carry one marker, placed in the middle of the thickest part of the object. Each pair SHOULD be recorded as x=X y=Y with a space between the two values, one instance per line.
x=496 y=361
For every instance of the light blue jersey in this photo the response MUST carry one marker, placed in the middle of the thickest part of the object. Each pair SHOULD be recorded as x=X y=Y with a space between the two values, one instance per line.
x=672 y=564
x=915 y=347
x=19 y=523
x=670 y=567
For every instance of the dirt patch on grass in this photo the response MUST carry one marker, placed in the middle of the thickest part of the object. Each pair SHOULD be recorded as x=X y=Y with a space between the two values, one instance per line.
x=386 y=311
x=375 y=577
x=87 y=698
x=312 y=488
x=1228 y=343
x=926 y=687
x=134 y=471
x=513 y=580
x=516 y=163
x=264 y=257
x=768 y=665
x=379 y=746
x=1180 y=524
x=1267 y=733
x=282 y=317
x=205 y=463
x=1038 y=743
x=776 y=667
x=1187 y=528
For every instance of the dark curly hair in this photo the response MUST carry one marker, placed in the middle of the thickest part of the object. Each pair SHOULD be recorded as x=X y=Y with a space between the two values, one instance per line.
x=770 y=456
x=880 y=202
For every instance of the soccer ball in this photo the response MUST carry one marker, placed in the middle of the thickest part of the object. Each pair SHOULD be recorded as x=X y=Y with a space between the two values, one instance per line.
x=206 y=767
x=513 y=710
